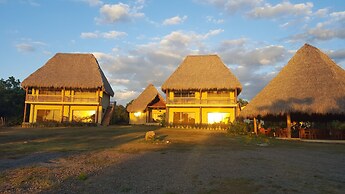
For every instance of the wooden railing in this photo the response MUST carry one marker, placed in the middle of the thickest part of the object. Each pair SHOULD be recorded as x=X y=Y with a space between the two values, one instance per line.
x=187 y=100
x=59 y=98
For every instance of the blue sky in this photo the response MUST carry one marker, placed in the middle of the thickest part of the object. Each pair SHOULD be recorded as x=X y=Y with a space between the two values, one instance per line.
x=143 y=41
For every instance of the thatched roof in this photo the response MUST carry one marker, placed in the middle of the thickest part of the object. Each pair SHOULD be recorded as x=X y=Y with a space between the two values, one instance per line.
x=311 y=83
x=150 y=96
x=202 y=72
x=69 y=70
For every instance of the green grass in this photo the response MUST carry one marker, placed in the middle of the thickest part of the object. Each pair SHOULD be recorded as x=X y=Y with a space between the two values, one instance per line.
x=15 y=142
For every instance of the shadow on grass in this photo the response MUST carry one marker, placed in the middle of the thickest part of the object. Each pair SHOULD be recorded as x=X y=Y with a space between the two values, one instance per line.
x=23 y=146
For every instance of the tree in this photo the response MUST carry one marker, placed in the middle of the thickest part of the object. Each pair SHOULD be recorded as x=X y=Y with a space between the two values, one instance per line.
x=120 y=115
x=12 y=98
x=242 y=102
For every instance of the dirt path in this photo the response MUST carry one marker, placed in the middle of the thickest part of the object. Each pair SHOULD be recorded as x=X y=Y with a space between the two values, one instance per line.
x=194 y=162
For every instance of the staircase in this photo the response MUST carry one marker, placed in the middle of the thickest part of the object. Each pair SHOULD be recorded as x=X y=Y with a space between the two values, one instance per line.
x=108 y=114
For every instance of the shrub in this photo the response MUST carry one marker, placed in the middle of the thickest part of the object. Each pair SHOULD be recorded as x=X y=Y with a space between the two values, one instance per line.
x=238 y=128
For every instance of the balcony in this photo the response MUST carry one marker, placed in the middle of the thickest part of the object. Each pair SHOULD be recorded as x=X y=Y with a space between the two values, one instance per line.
x=209 y=101
x=61 y=100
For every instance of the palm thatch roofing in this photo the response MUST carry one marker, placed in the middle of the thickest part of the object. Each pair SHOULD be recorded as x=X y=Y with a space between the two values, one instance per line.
x=202 y=72
x=311 y=83
x=149 y=97
x=70 y=70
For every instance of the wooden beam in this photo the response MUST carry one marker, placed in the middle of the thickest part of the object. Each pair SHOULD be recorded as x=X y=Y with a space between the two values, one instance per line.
x=26 y=95
x=97 y=113
x=255 y=126
x=288 y=124
x=166 y=108
x=62 y=108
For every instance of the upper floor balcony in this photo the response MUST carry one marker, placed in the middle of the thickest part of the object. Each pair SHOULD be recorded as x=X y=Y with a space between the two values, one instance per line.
x=62 y=99
x=208 y=101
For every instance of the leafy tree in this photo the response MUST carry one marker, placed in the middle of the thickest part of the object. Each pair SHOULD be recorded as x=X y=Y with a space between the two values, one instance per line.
x=120 y=115
x=12 y=98
x=242 y=102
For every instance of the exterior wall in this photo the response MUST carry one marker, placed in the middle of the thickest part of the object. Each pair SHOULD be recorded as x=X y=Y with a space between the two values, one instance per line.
x=156 y=113
x=145 y=116
x=70 y=104
x=137 y=120
x=203 y=105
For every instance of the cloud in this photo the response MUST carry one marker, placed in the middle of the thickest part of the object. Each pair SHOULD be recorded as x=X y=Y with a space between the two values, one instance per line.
x=107 y=35
x=338 y=55
x=174 y=20
x=281 y=10
x=331 y=28
x=93 y=2
x=113 y=13
x=213 y=20
x=25 y=48
x=232 y=6
x=89 y=35
x=28 y=46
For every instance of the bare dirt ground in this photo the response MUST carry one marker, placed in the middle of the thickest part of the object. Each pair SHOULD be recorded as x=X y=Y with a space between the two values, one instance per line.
x=192 y=161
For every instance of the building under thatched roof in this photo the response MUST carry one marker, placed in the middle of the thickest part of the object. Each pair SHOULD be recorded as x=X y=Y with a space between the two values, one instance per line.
x=311 y=83
x=147 y=108
x=202 y=72
x=149 y=97
x=66 y=70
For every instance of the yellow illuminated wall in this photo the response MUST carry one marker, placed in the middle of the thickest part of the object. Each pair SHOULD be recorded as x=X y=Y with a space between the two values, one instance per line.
x=224 y=109
x=69 y=110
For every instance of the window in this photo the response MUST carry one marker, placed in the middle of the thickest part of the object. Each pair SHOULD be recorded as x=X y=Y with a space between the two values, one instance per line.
x=85 y=116
x=215 y=117
x=48 y=115
x=184 y=118
x=184 y=94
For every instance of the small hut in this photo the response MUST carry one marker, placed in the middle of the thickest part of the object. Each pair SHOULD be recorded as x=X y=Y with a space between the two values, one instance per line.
x=311 y=85
x=147 y=108
x=70 y=87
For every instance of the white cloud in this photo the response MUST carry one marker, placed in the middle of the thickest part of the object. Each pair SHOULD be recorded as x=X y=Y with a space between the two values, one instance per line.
x=107 y=35
x=29 y=46
x=331 y=28
x=232 y=6
x=321 y=12
x=112 y=13
x=213 y=20
x=25 y=47
x=89 y=35
x=281 y=10
x=113 y=34
x=93 y=2
x=174 y=20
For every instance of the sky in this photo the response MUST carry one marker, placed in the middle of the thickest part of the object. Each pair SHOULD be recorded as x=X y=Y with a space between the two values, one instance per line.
x=138 y=42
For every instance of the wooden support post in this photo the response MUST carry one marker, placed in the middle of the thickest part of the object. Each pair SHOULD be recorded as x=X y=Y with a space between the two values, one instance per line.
x=62 y=108
x=255 y=126
x=167 y=108
x=25 y=104
x=288 y=124
x=97 y=113
x=200 y=107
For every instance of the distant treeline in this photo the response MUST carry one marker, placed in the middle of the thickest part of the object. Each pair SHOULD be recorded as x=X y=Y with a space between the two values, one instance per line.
x=12 y=98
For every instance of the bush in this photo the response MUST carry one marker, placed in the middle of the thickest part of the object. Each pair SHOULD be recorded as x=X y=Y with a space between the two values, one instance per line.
x=238 y=128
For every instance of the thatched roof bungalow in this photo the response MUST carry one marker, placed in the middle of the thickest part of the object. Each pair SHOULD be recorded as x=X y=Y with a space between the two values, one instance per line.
x=147 y=107
x=69 y=87
x=202 y=90
x=310 y=83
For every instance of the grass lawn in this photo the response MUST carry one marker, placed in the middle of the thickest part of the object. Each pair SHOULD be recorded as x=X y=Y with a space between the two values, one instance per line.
x=117 y=159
